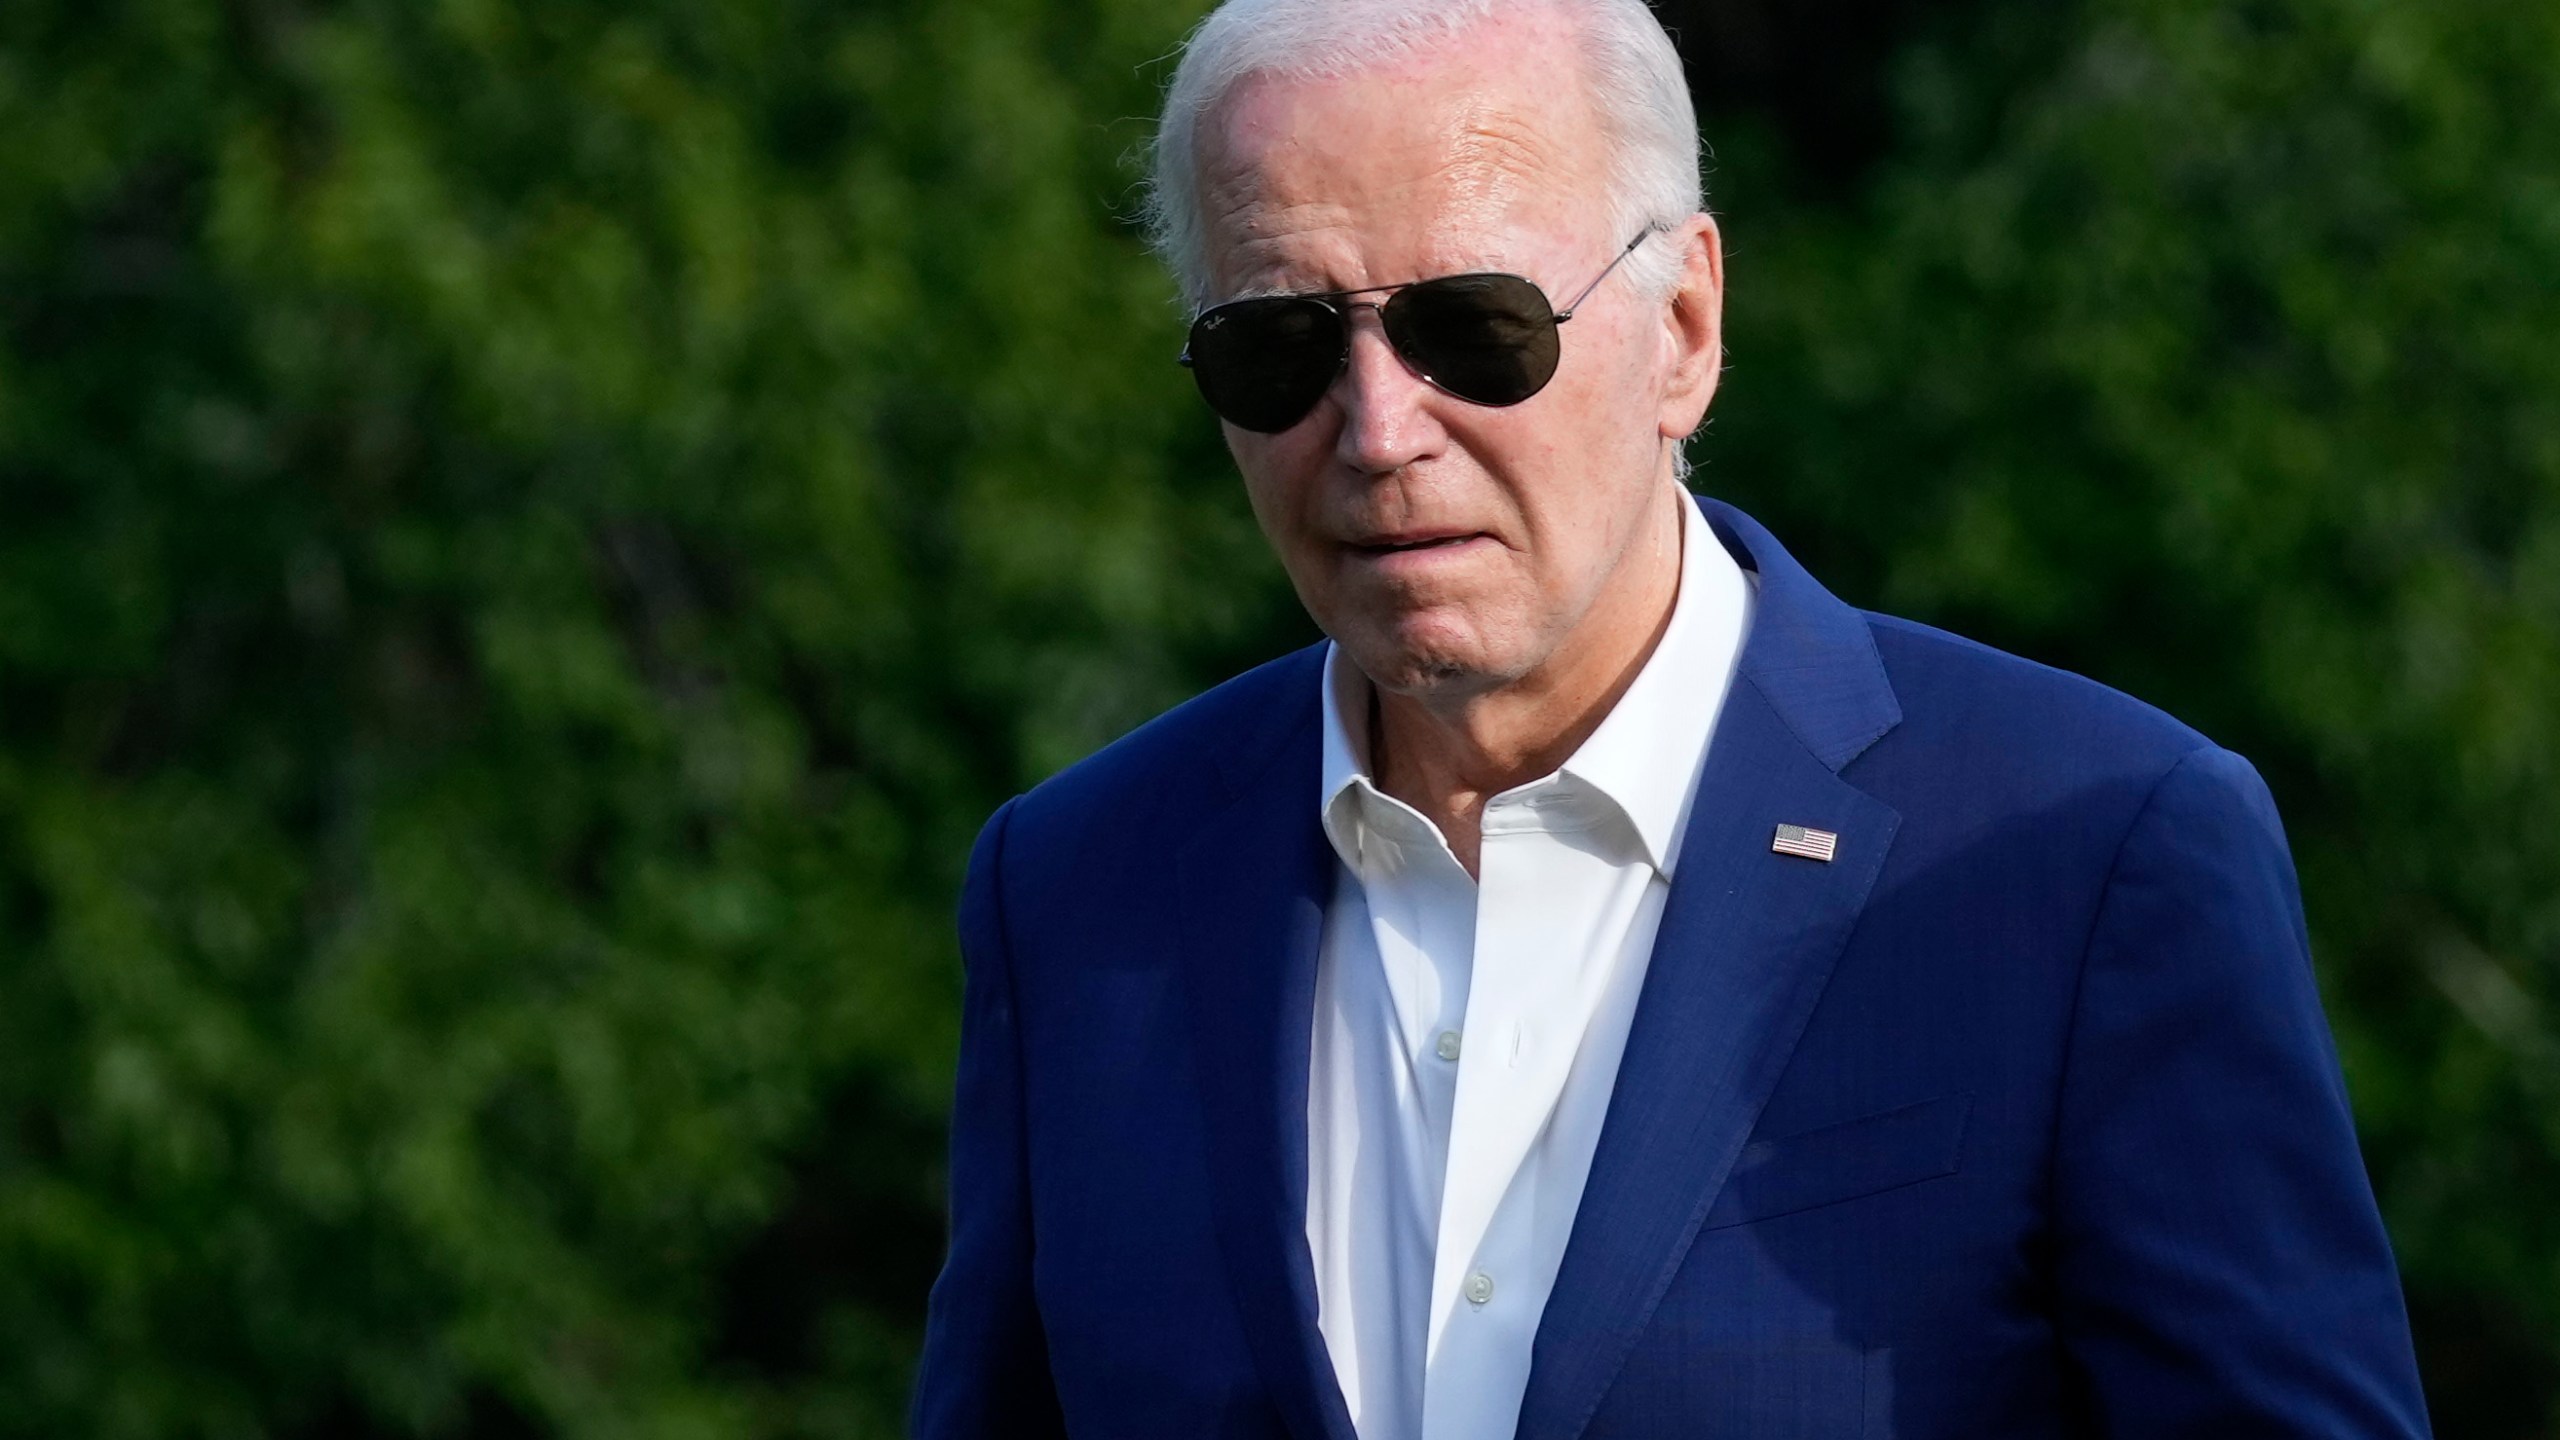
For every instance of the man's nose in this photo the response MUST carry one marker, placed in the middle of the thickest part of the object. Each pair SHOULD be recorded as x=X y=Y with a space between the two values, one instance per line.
x=1387 y=419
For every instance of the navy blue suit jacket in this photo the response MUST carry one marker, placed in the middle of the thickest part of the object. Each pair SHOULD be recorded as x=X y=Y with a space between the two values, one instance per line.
x=2018 y=1118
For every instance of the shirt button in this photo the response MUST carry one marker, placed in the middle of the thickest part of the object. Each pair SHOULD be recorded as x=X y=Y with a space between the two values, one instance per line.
x=1447 y=1049
x=1479 y=1288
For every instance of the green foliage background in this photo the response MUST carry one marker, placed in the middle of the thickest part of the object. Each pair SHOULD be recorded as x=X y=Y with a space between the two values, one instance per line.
x=531 y=537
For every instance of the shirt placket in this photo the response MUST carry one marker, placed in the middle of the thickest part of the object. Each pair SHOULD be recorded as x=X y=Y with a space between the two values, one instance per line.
x=1530 y=992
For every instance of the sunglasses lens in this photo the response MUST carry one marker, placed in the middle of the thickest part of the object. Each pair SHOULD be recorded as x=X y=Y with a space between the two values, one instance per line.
x=1486 y=338
x=1263 y=364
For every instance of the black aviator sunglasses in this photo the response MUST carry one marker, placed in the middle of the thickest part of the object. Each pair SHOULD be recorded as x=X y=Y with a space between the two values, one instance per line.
x=1489 y=339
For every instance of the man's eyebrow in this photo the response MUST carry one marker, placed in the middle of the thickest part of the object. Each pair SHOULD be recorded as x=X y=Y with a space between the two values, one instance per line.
x=1267 y=289
x=1274 y=292
x=1273 y=288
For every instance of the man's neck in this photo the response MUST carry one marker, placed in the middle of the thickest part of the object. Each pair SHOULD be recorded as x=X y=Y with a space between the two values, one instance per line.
x=1447 y=760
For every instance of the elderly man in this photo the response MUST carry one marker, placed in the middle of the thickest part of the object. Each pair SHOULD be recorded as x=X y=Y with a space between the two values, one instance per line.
x=1613 y=988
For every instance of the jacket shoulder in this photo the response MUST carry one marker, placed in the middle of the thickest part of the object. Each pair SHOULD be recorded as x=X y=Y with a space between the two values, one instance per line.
x=1159 y=778
x=2031 y=722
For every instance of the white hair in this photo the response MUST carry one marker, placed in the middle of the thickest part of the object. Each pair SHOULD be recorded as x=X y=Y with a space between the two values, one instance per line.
x=1628 y=65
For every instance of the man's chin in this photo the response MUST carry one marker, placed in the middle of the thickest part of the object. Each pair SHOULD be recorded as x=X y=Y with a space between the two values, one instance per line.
x=1430 y=663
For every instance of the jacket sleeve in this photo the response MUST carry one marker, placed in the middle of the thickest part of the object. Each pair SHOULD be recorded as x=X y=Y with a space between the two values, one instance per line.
x=2221 y=1268
x=985 y=1368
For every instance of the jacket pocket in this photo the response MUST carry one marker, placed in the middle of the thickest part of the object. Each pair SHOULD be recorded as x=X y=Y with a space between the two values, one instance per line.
x=1847 y=1161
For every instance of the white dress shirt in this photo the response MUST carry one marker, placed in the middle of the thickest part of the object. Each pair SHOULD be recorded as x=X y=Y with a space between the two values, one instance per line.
x=1467 y=1031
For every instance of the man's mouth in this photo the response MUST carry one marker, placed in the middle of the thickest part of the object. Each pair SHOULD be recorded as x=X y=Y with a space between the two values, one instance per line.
x=1426 y=542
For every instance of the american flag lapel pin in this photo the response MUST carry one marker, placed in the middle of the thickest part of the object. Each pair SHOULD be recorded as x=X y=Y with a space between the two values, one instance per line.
x=1806 y=841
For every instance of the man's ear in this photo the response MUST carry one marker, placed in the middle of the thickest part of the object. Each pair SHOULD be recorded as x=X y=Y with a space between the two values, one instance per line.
x=1693 y=326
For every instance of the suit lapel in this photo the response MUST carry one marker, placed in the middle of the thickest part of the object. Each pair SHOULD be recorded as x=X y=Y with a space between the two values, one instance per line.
x=1251 y=891
x=1746 y=945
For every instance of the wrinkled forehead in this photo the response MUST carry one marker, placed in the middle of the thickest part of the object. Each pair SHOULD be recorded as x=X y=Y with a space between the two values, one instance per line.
x=1455 y=162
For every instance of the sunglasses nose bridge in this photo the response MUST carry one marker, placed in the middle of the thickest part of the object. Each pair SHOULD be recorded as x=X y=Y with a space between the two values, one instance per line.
x=1382 y=396
x=1354 y=322
x=1362 y=331
x=1374 y=324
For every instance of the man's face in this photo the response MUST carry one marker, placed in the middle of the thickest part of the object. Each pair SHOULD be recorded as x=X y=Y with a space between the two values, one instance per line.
x=1453 y=548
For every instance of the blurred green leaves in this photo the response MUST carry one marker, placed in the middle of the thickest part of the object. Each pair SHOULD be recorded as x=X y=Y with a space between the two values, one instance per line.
x=531 y=538
x=528 y=543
